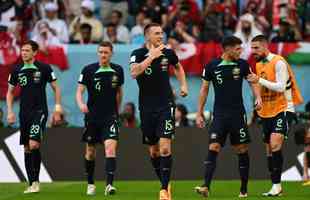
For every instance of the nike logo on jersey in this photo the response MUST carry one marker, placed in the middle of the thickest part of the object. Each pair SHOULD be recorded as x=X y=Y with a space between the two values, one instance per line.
x=217 y=72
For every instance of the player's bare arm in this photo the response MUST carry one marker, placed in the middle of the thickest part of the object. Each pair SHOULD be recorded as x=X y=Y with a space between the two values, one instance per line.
x=203 y=94
x=9 y=101
x=79 y=98
x=180 y=74
x=119 y=98
x=138 y=68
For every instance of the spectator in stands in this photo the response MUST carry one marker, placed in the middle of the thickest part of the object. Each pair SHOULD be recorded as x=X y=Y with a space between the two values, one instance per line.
x=288 y=32
x=39 y=11
x=1 y=118
x=258 y=8
x=111 y=34
x=128 y=116
x=122 y=32
x=108 y=6
x=10 y=10
x=136 y=33
x=182 y=33
x=73 y=9
x=304 y=15
x=85 y=31
x=246 y=30
x=156 y=12
x=212 y=22
x=20 y=32
x=44 y=37
x=180 y=116
x=88 y=8
x=58 y=27
x=184 y=10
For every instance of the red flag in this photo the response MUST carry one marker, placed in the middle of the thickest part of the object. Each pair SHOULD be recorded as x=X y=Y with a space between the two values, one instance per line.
x=55 y=56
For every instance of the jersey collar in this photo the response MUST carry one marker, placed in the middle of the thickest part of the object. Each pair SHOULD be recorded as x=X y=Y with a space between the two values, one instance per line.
x=29 y=66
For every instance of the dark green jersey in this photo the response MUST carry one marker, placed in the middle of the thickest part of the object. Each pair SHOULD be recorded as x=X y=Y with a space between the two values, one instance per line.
x=227 y=78
x=32 y=78
x=102 y=84
x=154 y=86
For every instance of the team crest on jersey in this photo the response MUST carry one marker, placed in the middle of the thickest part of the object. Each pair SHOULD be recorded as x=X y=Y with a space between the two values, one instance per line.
x=164 y=64
x=114 y=81
x=236 y=73
x=36 y=77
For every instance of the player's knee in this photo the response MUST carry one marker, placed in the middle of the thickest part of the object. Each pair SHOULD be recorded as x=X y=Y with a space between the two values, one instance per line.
x=34 y=145
x=242 y=149
x=154 y=151
x=215 y=147
x=90 y=153
x=110 y=152
x=275 y=146
x=165 y=151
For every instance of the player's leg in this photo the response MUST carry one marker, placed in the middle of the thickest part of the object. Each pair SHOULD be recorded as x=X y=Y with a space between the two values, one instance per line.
x=239 y=138
x=37 y=127
x=165 y=131
x=89 y=164
x=110 y=146
x=277 y=137
x=244 y=166
x=24 y=140
x=155 y=159
x=217 y=137
x=306 y=165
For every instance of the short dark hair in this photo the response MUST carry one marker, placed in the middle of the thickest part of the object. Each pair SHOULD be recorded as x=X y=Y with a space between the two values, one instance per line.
x=106 y=44
x=34 y=45
x=260 y=38
x=86 y=26
x=150 y=25
x=231 y=41
x=119 y=13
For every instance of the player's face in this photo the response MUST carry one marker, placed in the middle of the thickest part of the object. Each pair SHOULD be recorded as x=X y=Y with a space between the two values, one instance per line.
x=27 y=53
x=104 y=54
x=258 y=50
x=235 y=52
x=155 y=36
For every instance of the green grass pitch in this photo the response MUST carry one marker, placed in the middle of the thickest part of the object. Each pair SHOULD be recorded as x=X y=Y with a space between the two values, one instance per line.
x=148 y=190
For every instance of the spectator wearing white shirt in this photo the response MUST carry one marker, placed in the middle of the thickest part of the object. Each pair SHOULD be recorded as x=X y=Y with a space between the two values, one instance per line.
x=122 y=32
x=58 y=27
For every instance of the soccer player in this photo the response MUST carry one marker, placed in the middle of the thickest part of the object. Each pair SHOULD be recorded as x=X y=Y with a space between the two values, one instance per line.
x=279 y=95
x=32 y=77
x=226 y=74
x=103 y=81
x=150 y=65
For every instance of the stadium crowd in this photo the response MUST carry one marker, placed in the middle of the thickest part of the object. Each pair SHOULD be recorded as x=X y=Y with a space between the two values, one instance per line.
x=120 y=21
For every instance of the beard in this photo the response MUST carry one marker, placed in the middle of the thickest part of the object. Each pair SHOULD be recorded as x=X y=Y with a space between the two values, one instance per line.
x=258 y=58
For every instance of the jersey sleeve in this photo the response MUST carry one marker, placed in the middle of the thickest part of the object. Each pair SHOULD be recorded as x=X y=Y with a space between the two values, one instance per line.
x=174 y=60
x=13 y=78
x=206 y=74
x=83 y=77
x=121 y=76
x=246 y=68
x=50 y=74
x=134 y=58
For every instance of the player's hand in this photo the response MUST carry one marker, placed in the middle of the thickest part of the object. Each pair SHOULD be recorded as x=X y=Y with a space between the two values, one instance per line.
x=156 y=52
x=200 y=122
x=183 y=91
x=258 y=103
x=84 y=108
x=56 y=118
x=11 y=118
x=252 y=78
